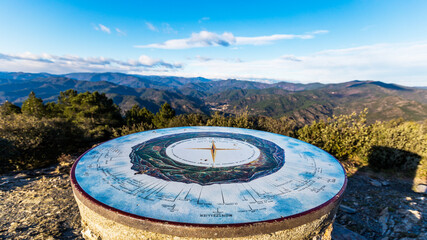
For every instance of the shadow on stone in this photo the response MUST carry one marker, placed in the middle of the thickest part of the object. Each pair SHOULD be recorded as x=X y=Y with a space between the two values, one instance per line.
x=380 y=201
x=401 y=162
x=342 y=233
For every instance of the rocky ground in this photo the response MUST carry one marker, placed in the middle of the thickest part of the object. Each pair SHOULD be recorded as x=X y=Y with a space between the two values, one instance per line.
x=383 y=208
x=39 y=205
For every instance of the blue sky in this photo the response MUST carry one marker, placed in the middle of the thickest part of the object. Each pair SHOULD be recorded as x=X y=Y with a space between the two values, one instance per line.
x=299 y=41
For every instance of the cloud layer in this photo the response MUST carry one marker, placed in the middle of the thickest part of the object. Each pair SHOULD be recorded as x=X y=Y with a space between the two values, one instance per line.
x=61 y=64
x=402 y=63
x=206 y=39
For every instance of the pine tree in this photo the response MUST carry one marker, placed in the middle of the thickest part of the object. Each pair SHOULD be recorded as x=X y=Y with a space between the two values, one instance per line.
x=163 y=116
x=34 y=106
x=94 y=112
x=136 y=115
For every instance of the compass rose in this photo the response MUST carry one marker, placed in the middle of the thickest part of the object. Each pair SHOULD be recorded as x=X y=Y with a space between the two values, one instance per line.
x=213 y=150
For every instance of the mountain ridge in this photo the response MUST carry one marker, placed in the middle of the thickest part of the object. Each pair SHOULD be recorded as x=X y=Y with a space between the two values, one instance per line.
x=304 y=103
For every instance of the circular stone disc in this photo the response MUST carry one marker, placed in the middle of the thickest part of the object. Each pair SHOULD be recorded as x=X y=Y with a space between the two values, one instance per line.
x=208 y=176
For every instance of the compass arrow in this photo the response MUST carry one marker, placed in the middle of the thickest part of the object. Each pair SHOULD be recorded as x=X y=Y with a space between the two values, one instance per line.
x=213 y=150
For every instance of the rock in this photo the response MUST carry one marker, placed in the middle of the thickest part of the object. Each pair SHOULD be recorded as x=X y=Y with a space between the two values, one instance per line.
x=342 y=233
x=422 y=236
x=421 y=188
x=13 y=226
x=413 y=216
x=410 y=215
x=20 y=175
x=384 y=216
x=87 y=234
x=403 y=227
x=375 y=183
x=347 y=209
x=391 y=223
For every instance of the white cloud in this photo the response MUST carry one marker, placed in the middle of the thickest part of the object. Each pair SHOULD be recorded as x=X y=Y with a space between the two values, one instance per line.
x=68 y=63
x=206 y=39
x=102 y=28
x=202 y=39
x=290 y=58
x=205 y=59
x=319 y=32
x=204 y=19
x=262 y=40
x=168 y=29
x=164 y=27
x=402 y=63
x=120 y=32
x=151 y=27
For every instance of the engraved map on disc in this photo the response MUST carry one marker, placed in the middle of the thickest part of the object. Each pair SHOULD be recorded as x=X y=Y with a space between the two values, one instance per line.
x=209 y=175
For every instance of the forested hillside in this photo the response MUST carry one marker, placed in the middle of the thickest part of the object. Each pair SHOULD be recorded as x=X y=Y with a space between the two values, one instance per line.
x=303 y=103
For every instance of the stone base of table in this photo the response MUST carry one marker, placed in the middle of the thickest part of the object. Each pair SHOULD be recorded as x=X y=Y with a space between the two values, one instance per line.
x=99 y=223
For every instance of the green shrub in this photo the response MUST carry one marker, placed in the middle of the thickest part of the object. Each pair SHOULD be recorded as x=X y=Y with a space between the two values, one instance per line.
x=283 y=126
x=125 y=130
x=395 y=145
x=188 y=120
x=241 y=120
x=406 y=141
x=345 y=137
x=8 y=108
x=29 y=142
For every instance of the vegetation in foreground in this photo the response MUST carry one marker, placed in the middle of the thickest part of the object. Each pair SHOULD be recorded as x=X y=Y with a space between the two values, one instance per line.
x=37 y=134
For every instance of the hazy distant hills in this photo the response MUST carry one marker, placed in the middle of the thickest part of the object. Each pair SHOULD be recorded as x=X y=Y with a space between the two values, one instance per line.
x=302 y=102
x=15 y=87
x=136 y=81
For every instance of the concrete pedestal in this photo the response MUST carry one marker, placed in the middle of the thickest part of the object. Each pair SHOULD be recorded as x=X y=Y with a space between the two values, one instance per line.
x=101 y=223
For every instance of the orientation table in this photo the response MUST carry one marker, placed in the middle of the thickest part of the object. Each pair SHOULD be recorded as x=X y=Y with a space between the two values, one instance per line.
x=207 y=182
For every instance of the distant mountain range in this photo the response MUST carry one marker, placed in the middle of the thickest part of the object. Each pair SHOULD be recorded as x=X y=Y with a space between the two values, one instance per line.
x=302 y=102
